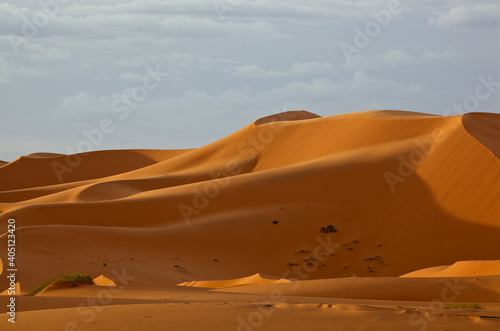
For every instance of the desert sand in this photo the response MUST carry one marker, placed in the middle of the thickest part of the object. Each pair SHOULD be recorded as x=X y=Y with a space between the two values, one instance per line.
x=383 y=220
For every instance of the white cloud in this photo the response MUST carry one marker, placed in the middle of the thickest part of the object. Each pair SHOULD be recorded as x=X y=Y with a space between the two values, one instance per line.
x=305 y=12
x=99 y=47
x=131 y=76
x=33 y=50
x=479 y=15
x=445 y=55
x=297 y=69
x=320 y=91
x=360 y=62
x=128 y=25
x=395 y=58
x=84 y=106
x=8 y=71
x=173 y=60
x=324 y=89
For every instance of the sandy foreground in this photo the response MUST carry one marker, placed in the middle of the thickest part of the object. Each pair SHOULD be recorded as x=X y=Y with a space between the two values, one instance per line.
x=382 y=220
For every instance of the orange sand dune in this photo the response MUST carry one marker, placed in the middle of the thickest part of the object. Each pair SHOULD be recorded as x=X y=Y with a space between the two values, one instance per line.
x=43 y=168
x=468 y=280
x=256 y=279
x=18 y=290
x=375 y=194
x=460 y=269
x=461 y=289
x=103 y=281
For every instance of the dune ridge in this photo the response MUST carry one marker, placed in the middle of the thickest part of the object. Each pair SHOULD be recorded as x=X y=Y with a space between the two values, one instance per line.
x=460 y=269
x=257 y=279
x=404 y=191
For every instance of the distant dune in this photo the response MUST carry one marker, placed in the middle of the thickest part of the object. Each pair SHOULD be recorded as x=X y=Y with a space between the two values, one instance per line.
x=460 y=269
x=343 y=205
x=256 y=279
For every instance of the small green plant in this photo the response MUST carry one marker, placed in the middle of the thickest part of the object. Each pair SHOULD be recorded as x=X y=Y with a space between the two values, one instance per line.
x=465 y=306
x=41 y=287
x=73 y=280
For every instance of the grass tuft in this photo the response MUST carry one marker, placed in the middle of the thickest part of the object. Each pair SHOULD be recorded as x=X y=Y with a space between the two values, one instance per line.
x=472 y=305
x=73 y=280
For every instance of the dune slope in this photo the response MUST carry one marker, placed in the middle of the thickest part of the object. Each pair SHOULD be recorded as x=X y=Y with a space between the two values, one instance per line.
x=371 y=194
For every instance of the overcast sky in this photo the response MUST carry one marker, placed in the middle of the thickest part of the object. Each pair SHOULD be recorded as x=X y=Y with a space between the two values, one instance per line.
x=80 y=75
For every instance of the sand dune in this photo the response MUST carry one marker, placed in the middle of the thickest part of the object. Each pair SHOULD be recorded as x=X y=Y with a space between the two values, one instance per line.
x=460 y=269
x=103 y=281
x=256 y=279
x=375 y=194
x=469 y=280
x=466 y=289
x=47 y=169
x=17 y=289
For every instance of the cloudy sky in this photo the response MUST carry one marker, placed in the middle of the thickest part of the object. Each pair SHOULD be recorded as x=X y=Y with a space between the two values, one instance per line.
x=80 y=75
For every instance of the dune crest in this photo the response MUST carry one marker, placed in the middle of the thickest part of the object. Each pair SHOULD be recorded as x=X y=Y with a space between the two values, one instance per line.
x=293 y=115
x=485 y=128
x=460 y=269
x=257 y=279
x=103 y=281
x=19 y=290
x=42 y=155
